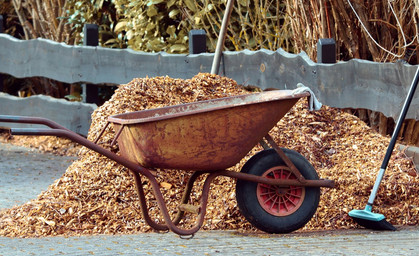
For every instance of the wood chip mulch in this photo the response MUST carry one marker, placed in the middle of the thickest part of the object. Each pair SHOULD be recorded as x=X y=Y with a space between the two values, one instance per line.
x=98 y=196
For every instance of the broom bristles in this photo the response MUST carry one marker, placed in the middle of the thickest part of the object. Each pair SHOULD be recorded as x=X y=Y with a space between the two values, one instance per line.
x=375 y=225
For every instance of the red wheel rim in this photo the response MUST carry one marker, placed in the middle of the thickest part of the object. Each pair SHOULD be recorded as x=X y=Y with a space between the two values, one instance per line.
x=280 y=201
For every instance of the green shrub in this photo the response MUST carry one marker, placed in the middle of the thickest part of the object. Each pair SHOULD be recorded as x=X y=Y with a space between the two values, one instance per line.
x=157 y=25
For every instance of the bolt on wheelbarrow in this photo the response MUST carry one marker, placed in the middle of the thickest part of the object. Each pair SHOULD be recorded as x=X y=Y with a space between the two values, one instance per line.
x=277 y=190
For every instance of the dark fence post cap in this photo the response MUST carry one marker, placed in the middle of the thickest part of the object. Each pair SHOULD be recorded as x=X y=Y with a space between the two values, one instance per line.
x=326 y=50
x=197 y=41
x=325 y=41
x=1 y=24
x=197 y=32
x=91 y=35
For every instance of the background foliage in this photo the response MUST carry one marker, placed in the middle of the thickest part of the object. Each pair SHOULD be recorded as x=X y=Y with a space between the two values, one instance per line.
x=294 y=25
x=157 y=25
x=392 y=24
x=377 y=30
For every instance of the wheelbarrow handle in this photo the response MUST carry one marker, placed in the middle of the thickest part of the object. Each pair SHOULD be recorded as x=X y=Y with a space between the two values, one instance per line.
x=61 y=131
x=30 y=120
x=65 y=133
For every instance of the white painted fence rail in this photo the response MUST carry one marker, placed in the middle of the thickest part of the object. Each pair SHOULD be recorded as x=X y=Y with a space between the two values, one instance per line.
x=354 y=84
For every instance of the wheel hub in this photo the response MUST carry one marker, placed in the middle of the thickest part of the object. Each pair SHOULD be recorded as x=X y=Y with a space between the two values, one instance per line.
x=280 y=201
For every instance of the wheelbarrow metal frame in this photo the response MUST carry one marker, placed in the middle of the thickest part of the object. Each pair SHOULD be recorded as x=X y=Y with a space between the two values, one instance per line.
x=137 y=170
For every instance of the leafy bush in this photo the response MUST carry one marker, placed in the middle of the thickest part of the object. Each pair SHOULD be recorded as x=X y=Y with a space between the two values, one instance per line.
x=152 y=25
x=100 y=12
x=157 y=25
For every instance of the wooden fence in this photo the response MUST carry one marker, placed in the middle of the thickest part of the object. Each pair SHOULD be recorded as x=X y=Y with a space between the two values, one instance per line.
x=373 y=90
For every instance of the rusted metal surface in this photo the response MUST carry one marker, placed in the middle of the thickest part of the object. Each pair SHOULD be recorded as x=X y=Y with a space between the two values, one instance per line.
x=208 y=135
x=189 y=208
x=31 y=120
x=284 y=157
x=278 y=182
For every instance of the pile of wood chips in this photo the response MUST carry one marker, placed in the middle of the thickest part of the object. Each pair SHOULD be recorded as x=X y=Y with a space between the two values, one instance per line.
x=98 y=196
x=48 y=144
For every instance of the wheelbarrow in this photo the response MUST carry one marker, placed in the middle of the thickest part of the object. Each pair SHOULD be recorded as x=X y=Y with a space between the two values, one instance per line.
x=277 y=189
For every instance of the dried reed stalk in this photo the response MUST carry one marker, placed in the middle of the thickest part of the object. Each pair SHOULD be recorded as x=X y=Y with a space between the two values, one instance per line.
x=393 y=25
x=43 y=19
x=253 y=24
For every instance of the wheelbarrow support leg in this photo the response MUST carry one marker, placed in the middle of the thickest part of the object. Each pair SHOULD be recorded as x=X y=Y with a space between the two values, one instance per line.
x=287 y=161
x=143 y=204
x=186 y=195
x=163 y=208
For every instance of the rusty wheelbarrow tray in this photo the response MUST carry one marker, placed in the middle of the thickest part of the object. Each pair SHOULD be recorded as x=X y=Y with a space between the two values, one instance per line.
x=208 y=137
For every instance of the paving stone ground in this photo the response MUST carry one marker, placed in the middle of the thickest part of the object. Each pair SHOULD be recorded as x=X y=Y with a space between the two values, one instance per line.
x=353 y=242
x=25 y=173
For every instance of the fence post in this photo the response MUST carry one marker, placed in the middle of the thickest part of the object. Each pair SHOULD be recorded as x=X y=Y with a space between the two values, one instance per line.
x=197 y=41
x=1 y=31
x=91 y=38
x=326 y=50
x=1 y=24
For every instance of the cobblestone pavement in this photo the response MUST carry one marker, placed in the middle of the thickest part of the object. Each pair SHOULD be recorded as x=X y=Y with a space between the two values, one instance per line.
x=352 y=242
x=25 y=173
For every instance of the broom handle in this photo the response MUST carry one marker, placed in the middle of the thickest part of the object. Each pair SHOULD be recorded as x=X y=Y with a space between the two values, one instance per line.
x=394 y=137
x=221 y=38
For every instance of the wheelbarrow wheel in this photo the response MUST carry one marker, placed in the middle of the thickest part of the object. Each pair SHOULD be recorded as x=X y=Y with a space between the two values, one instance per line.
x=277 y=209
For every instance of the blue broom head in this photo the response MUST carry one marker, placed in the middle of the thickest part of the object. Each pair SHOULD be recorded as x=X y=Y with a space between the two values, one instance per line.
x=366 y=214
x=370 y=220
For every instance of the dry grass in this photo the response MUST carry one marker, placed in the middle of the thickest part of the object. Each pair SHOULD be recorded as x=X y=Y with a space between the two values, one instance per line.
x=42 y=19
x=253 y=24
x=311 y=20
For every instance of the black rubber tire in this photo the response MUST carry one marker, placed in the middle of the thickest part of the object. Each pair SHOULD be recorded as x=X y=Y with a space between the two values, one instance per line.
x=246 y=193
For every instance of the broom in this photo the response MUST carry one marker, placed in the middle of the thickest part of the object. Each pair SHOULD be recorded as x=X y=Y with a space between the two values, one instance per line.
x=365 y=217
